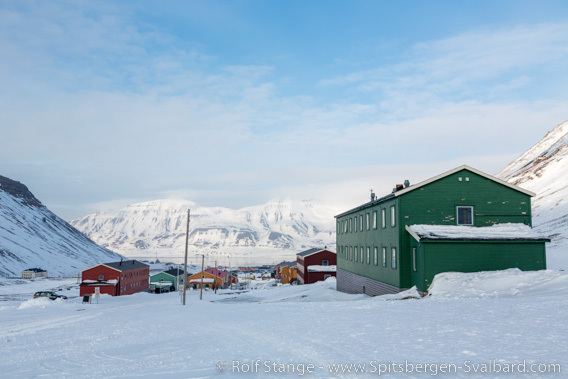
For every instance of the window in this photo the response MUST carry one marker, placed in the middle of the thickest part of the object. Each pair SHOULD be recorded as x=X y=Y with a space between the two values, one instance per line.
x=368 y=255
x=350 y=225
x=355 y=224
x=367 y=219
x=375 y=220
x=465 y=215
x=344 y=226
x=375 y=256
x=361 y=252
x=393 y=262
x=414 y=259
x=360 y=223
x=350 y=253
x=101 y=277
x=384 y=257
x=338 y=227
x=393 y=216
x=325 y=263
x=384 y=217
x=326 y=276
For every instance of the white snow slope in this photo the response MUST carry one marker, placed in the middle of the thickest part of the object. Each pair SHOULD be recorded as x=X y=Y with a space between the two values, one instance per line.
x=31 y=236
x=543 y=169
x=467 y=328
x=275 y=230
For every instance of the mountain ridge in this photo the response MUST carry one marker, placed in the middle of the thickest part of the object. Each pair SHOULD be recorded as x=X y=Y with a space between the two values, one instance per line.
x=157 y=228
x=33 y=236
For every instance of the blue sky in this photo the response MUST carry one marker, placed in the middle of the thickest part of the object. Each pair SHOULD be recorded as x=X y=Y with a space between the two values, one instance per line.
x=234 y=103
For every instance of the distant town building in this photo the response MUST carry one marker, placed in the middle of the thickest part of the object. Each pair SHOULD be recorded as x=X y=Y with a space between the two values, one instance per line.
x=32 y=273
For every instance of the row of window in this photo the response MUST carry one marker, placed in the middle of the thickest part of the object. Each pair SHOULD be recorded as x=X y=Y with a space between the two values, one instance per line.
x=362 y=254
x=358 y=223
x=352 y=224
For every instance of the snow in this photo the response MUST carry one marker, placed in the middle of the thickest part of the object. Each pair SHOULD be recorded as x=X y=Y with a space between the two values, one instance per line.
x=543 y=169
x=471 y=321
x=204 y=280
x=316 y=268
x=494 y=232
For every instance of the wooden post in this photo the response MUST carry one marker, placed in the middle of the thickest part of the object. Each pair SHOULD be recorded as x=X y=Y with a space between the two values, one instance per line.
x=201 y=287
x=185 y=259
x=215 y=276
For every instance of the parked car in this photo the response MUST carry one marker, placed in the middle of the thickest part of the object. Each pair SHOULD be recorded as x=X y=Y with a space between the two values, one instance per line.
x=49 y=294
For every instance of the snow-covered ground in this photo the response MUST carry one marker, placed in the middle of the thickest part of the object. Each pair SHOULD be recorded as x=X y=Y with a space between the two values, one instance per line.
x=472 y=324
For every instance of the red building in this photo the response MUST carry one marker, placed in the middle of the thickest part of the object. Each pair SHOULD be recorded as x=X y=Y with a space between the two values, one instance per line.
x=315 y=265
x=116 y=278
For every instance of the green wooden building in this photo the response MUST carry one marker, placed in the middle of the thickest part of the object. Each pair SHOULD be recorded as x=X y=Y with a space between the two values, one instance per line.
x=463 y=220
x=174 y=277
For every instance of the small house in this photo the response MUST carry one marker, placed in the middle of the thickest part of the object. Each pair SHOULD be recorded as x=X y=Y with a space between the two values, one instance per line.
x=315 y=265
x=116 y=278
x=209 y=280
x=173 y=277
x=225 y=277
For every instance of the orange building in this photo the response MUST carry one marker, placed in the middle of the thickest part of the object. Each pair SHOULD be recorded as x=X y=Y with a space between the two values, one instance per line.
x=288 y=274
x=209 y=280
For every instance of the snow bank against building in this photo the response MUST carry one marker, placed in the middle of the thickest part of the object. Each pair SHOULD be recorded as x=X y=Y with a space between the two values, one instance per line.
x=495 y=232
x=493 y=284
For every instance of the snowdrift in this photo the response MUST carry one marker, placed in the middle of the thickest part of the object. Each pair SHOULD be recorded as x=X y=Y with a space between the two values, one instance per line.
x=496 y=284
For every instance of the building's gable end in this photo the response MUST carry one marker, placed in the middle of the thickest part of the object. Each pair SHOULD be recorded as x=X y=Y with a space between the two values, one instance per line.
x=457 y=169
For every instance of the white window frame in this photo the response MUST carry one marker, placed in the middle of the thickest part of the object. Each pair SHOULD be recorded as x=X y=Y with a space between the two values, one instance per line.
x=368 y=255
x=362 y=254
x=361 y=223
x=383 y=218
x=376 y=255
x=374 y=220
x=458 y=214
x=393 y=216
x=350 y=225
x=414 y=266
x=393 y=257
x=368 y=218
x=384 y=256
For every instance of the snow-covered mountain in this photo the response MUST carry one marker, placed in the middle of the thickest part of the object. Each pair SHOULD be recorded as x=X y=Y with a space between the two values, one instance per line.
x=265 y=233
x=543 y=169
x=31 y=236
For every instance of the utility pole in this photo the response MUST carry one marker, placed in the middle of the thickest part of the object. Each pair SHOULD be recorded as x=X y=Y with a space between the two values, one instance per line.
x=185 y=259
x=201 y=286
x=215 y=276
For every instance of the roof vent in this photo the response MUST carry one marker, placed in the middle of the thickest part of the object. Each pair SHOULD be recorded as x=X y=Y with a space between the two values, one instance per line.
x=372 y=196
x=406 y=183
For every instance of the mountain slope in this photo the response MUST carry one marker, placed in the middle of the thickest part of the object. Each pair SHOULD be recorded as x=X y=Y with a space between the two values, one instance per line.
x=32 y=236
x=158 y=228
x=543 y=169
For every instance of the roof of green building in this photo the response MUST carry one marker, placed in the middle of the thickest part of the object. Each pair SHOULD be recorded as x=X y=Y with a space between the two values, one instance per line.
x=397 y=193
